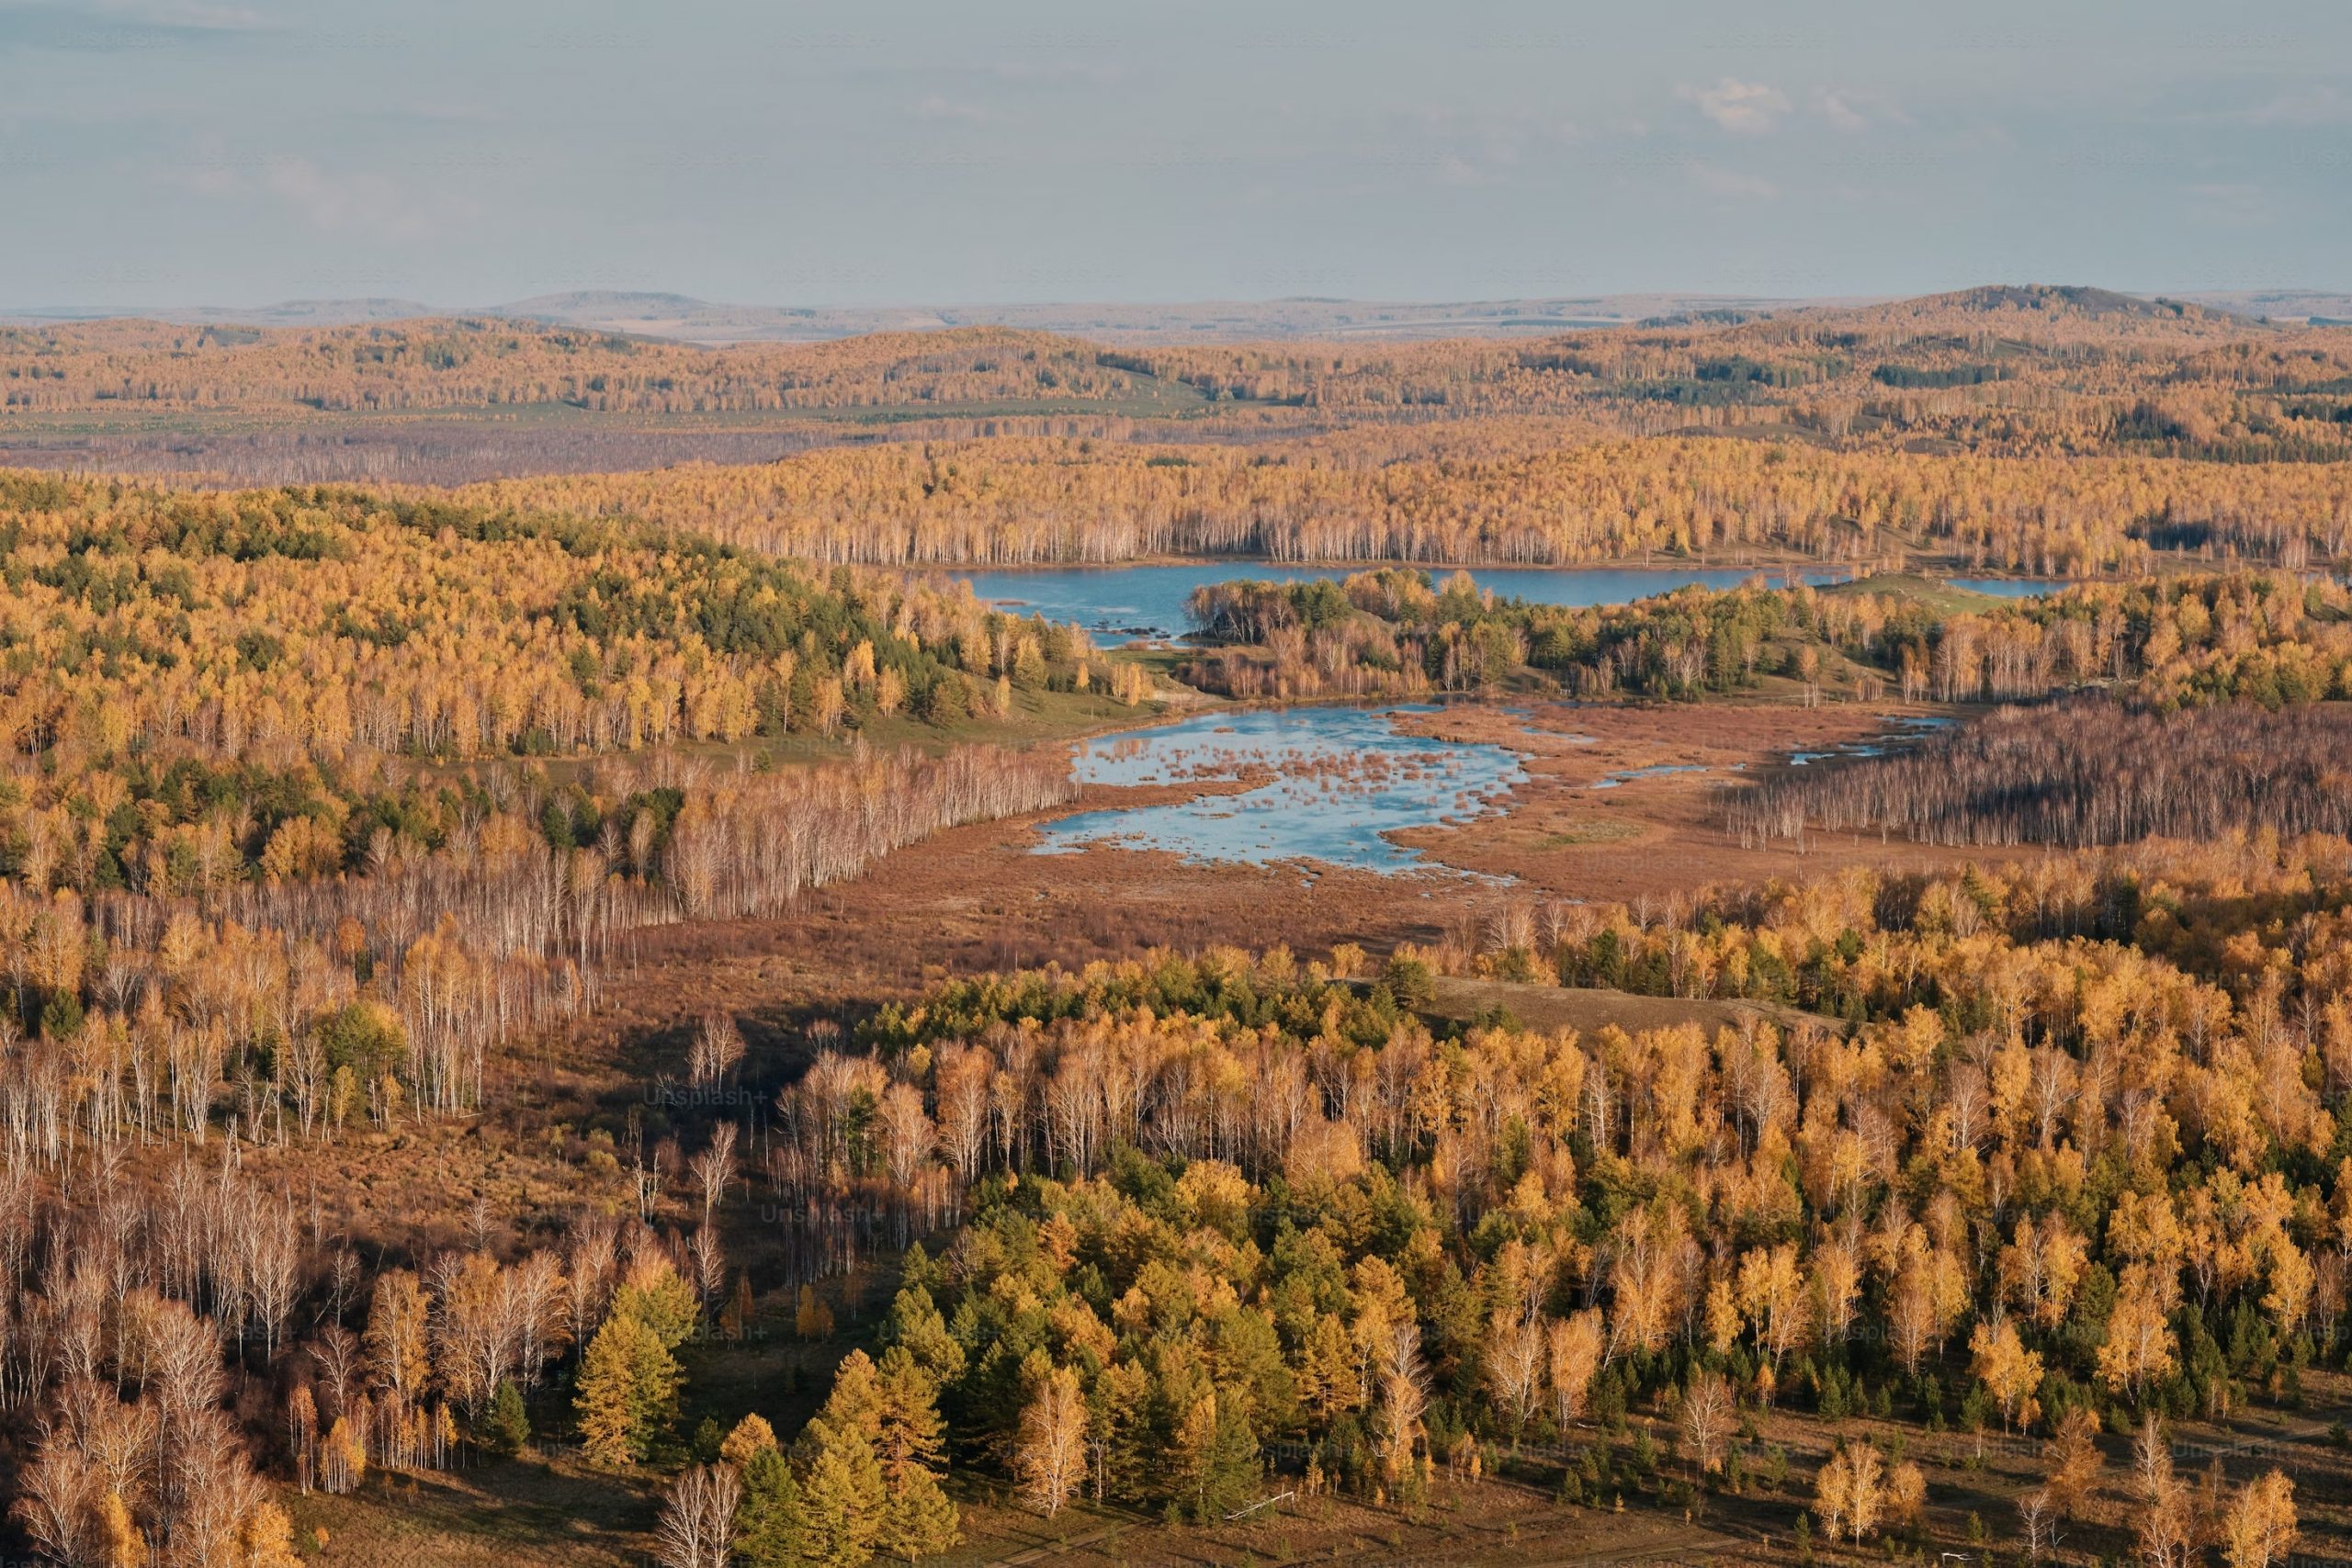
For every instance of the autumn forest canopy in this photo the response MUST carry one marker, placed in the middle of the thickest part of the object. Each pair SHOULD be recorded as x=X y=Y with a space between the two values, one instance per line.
x=532 y=998
x=2042 y=430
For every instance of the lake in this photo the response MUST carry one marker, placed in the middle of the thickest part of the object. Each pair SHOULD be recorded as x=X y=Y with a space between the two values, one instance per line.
x=1340 y=779
x=1117 y=602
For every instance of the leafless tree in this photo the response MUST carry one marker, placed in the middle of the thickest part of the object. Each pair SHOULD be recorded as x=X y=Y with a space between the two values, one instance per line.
x=697 y=1525
x=337 y=1354
x=714 y=1167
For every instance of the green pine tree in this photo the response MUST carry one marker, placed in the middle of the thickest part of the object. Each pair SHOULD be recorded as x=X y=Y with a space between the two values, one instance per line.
x=1214 y=1459
x=908 y=1433
x=842 y=1496
x=656 y=1297
x=771 y=1529
x=627 y=1393
x=604 y=1397
x=656 y=1380
x=1118 y=1418
x=922 y=1519
x=914 y=1321
x=856 y=1404
x=507 y=1428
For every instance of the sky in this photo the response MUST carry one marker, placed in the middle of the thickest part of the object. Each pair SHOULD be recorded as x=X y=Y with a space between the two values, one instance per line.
x=474 y=152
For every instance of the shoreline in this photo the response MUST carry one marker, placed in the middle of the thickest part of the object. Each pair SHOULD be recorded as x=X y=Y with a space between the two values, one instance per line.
x=1939 y=566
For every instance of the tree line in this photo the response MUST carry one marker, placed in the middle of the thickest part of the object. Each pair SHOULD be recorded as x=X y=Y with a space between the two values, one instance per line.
x=150 y=624
x=1497 y=492
x=2012 y=373
x=2171 y=640
x=148 y=366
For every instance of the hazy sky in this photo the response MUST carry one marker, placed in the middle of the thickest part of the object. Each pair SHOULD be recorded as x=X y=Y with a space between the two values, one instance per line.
x=469 y=151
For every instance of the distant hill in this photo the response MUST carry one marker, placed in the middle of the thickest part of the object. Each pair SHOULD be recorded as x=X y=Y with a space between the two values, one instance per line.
x=682 y=317
x=285 y=313
x=697 y=320
x=2058 y=296
x=617 y=379
x=2026 y=304
x=685 y=319
x=2320 y=307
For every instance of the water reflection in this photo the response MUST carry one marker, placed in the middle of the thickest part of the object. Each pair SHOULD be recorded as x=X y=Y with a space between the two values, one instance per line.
x=1896 y=732
x=1121 y=601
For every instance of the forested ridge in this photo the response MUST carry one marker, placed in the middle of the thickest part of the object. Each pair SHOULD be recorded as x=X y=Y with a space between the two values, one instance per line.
x=433 y=364
x=2017 y=372
x=315 y=728
x=323 y=620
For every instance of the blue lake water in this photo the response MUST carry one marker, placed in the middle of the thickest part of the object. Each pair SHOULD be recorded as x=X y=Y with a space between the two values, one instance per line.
x=1121 y=601
x=1341 y=779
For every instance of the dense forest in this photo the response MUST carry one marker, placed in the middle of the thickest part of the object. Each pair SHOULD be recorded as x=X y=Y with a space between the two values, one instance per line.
x=437 y=365
x=312 y=804
x=332 y=821
x=2017 y=372
x=322 y=621
x=2176 y=640
x=1504 y=492
x=341 y=737
x=2058 y=1148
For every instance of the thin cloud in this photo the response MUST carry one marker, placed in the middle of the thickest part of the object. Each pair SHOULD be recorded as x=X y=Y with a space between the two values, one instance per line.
x=1742 y=109
x=1475 y=147
x=1458 y=171
x=358 y=203
x=116 y=26
x=1723 y=182
x=1852 y=109
x=1088 y=73
x=335 y=202
x=208 y=173
x=1834 y=109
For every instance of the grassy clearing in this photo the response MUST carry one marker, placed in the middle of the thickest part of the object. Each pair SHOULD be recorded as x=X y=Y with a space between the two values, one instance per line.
x=1937 y=597
x=512 y=1513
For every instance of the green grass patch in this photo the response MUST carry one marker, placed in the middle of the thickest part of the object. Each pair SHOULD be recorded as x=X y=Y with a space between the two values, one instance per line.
x=1937 y=597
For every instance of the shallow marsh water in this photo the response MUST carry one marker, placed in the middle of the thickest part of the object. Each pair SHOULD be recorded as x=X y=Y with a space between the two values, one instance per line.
x=1335 y=782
